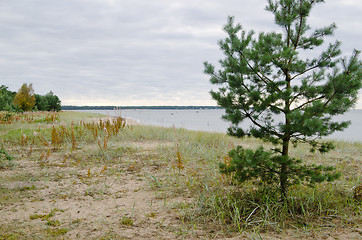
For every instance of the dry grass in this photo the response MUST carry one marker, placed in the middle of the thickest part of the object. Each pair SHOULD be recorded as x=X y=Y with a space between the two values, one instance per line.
x=86 y=177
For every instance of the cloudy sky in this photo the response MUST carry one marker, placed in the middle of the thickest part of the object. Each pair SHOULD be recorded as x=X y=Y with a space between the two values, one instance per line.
x=135 y=52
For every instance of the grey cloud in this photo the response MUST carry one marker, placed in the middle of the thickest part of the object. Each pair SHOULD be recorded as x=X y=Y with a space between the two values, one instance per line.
x=114 y=51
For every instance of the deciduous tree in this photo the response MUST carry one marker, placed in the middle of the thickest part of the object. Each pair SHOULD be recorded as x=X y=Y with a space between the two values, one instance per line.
x=25 y=98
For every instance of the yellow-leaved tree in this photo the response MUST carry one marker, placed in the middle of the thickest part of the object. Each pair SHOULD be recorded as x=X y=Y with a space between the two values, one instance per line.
x=25 y=98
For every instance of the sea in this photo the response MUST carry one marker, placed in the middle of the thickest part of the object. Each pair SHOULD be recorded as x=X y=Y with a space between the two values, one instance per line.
x=210 y=120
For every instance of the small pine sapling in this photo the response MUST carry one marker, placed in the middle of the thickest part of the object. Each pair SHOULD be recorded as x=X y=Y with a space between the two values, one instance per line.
x=279 y=76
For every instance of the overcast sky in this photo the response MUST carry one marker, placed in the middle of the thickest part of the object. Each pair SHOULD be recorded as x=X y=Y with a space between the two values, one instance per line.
x=135 y=52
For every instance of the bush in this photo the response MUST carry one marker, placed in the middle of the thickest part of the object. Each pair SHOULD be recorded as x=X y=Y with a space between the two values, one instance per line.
x=267 y=168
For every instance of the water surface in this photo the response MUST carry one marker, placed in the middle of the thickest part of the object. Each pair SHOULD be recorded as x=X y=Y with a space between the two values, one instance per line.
x=210 y=120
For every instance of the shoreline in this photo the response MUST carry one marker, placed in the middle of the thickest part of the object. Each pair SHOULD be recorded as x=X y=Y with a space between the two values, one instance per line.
x=208 y=120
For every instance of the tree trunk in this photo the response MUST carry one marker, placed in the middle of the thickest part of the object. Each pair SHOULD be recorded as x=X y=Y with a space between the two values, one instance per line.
x=283 y=170
x=286 y=139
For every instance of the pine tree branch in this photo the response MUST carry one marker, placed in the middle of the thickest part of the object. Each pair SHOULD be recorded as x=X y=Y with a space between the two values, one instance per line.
x=300 y=25
x=278 y=108
x=301 y=93
x=248 y=115
x=221 y=80
x=305 y=71
x=262 y=77
x=316 y=36
x=330 y=99
x=303 y=139
x=322 y=59
x=299 y=31
x=242 y=82
x=308 y=102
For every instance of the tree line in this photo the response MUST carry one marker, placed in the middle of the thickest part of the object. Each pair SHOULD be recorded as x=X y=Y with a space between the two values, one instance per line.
x=138 y=107
x=26 y=100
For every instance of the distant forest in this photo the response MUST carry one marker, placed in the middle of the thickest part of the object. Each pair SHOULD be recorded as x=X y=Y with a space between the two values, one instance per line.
x=26 y=100
x=137 y=107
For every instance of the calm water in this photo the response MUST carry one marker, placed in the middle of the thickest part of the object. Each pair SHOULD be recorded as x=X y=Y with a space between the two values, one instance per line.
x=210 y=120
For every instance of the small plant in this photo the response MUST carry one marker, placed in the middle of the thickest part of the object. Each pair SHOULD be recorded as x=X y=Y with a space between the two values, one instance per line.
x=6 y=118
x=226 y=177
x=4 y=155
x=37 y=216
x=45 y=217
x=56 y=232
x=154 y=182
x=5 y=159
x=357 y=192
x=74 y=141
x=126 y=221
x=53 y=223
x=179 y=160
x=44 y=157
x=103 y=143
x=51 y=117
x=42 y=140
x=24 y=140
x=103 y=169
x=56 y=137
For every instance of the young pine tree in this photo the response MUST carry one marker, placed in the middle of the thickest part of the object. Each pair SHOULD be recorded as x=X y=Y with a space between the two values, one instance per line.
x=276 y=74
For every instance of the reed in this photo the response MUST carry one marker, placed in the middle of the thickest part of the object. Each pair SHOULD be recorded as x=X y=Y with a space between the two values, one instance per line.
x=52 y=117
x=74 y=141
x=24 y=140
x=179 y=160
x=9 y=118
x=42 y=140
x=44 y=157
x=55 y=138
